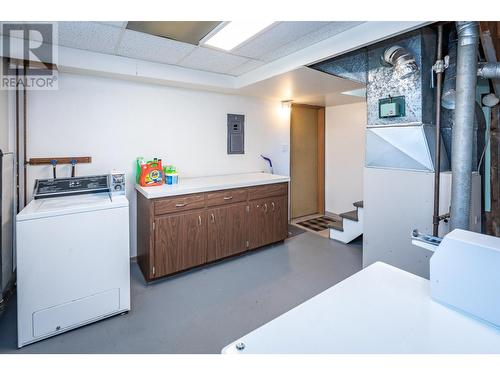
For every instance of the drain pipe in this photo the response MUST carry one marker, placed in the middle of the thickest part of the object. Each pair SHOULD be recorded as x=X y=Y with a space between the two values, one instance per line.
x=438 y=67
x=468 y=42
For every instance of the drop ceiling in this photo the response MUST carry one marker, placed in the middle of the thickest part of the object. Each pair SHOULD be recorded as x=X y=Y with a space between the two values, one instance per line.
x=279 y=40
x=268 y=65
x=182 y=31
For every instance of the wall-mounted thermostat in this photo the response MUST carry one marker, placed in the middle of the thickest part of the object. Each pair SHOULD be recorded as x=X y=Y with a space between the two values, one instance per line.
x=392 y=107
x=235 y=134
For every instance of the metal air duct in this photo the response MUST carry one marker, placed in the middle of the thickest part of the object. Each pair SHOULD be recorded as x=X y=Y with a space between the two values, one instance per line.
x=489 y=70
x=401 y=59
x=468 y=41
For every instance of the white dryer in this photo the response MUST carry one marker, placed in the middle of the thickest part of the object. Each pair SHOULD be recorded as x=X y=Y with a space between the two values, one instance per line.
x=73 y=258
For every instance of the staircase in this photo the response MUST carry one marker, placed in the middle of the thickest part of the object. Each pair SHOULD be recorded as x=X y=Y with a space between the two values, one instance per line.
x=351 y=225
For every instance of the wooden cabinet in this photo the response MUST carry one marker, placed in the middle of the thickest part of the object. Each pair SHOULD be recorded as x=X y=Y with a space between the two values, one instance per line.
x=178 y=233
x=257 y=224
x=279 y=218
x=268 y=221
x=180 y=242
x=227 y=231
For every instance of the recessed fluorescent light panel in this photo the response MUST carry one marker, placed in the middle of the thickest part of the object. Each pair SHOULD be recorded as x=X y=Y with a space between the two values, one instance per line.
x=356 y=92
x=233 y=33
x=182 y=31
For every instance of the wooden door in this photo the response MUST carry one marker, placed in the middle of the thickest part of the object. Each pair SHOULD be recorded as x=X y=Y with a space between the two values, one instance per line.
x=180 y=242
x=279 y=218
x=227 y=231
x=306 y=160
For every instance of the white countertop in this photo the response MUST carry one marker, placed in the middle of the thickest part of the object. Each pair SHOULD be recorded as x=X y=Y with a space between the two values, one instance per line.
x=191 y=185
x=380 y=309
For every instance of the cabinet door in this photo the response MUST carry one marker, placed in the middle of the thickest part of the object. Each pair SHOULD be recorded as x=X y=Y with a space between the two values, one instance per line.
x=279 y=218
x=227 y=231
x=258 y=223
x=180 y=242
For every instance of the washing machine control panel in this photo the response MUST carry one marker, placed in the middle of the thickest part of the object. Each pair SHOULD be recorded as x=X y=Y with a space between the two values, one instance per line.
x=117 y=183
x=59 y=187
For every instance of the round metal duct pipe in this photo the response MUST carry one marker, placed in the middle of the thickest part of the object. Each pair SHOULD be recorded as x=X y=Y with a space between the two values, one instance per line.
x=489 y=70
x=450 y=75
x=462 y=138
x=401 y=59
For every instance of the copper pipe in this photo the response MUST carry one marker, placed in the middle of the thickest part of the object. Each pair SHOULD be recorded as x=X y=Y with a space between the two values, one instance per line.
x=25 y=135
x=437 y=160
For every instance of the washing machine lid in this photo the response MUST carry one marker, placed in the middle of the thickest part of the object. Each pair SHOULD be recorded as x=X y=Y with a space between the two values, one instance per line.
x=41 y=208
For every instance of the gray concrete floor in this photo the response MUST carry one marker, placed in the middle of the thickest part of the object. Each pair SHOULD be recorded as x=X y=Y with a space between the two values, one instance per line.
x=203 y=310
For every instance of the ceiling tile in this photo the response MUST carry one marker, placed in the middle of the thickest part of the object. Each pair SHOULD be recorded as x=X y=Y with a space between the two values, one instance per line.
x=212 y=60
x=246 y=67
x=327 y=31
x=91 y=36
x=153 y=48
x=277 y=36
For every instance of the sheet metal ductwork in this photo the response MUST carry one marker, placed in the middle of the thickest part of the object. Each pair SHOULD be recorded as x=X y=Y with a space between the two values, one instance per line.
x=450 y=74
x=463 y=129
x=448 y=111
x=398 y=67
x=489 y=70
x=352 y=66
x=401 y=59
x=406 y=142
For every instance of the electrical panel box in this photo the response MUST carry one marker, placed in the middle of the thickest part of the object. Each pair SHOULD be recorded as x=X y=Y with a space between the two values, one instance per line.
x=391 y=107
x=235 y=134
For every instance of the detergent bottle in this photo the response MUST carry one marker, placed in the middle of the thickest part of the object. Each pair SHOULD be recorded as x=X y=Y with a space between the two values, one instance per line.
x=138 y=162
x=171 y=176
x=151 y=173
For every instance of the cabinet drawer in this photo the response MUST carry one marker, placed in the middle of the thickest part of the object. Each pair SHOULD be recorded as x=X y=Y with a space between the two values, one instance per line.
x=180 y=203
x=217 y=198
x=258 y=192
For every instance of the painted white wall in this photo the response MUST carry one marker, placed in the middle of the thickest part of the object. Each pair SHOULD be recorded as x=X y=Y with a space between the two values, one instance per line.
x=114 y=121
x=344 y=154
x=6 y=253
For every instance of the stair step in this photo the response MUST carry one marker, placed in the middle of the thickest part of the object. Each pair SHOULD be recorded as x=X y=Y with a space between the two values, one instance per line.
x=338 y=225
x=358 y=204
x=351 y=215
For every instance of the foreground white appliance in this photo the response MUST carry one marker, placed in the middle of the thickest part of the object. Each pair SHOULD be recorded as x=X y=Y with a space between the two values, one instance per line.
x=465 y=272
x=379 y=310
x=72 y=263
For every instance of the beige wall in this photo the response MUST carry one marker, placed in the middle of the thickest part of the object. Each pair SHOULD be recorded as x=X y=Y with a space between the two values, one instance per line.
x=344 y=154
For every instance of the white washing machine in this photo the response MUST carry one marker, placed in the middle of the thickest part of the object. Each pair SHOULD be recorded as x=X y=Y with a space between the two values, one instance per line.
x=73 y=258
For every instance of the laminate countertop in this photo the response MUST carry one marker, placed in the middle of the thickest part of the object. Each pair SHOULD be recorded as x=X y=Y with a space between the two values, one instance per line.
x=190 y=185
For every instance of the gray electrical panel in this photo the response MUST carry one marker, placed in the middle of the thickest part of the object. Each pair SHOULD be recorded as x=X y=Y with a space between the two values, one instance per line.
x=235 y=134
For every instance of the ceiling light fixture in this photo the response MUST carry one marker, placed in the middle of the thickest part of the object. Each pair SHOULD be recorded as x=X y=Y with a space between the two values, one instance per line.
x=231 y=34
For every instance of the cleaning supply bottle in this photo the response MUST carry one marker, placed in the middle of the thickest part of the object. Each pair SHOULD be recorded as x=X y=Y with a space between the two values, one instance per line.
x=171 y=176
x=139 y=162
x=151 y=173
